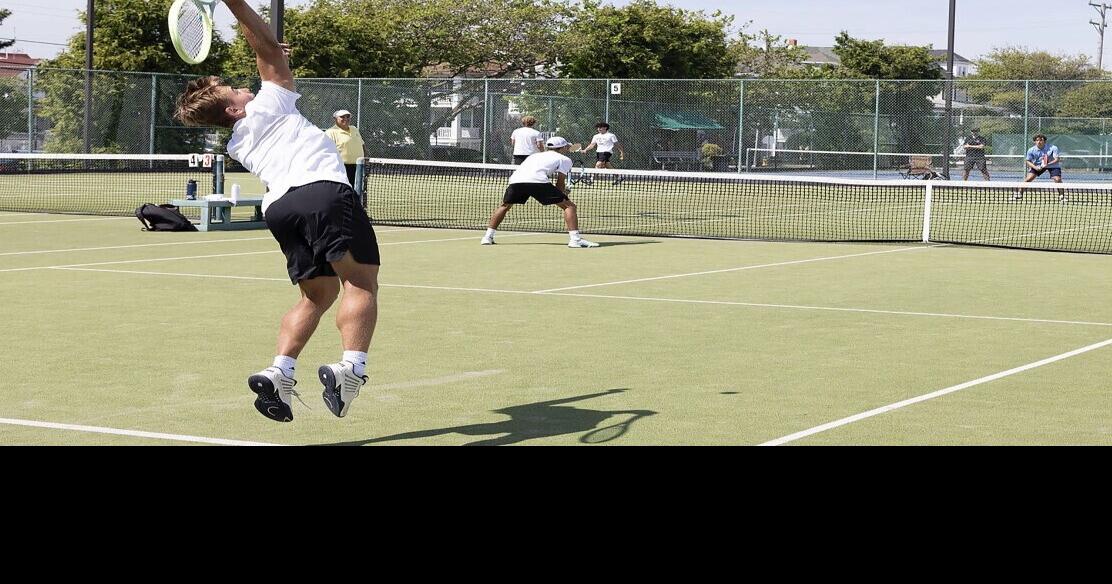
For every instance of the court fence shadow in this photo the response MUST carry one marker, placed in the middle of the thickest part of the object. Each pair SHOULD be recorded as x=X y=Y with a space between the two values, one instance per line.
x=532 y=421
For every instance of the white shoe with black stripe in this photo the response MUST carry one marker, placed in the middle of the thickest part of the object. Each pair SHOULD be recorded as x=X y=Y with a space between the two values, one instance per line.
x=275 y=393
x=341 y=386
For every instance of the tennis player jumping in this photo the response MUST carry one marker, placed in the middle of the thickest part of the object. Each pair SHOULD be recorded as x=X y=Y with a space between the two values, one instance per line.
x=310 y=209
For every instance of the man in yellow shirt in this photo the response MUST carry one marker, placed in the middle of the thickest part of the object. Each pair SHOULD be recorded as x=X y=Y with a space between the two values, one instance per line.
x=348 y=142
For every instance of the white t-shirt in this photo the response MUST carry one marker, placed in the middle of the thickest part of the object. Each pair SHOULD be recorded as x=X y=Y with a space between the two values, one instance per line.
x=277 y=144
x=605 y=142
x=525 y=141
x=540 y=167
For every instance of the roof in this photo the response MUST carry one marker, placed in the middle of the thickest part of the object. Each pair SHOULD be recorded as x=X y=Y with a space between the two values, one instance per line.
x=826 y=56
x=14 y=64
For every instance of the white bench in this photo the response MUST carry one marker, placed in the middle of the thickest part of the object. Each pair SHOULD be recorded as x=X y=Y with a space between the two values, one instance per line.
x=217 y=215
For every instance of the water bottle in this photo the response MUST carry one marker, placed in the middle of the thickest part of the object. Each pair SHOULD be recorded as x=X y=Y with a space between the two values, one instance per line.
x=235 y=192
x=191 y=190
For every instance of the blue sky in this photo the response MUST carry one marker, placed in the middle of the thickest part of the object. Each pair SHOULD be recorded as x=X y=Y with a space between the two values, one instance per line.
x=981 y=24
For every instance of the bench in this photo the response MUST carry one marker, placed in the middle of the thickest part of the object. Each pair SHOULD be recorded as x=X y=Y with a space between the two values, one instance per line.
x=217 y=215
x=678 y=159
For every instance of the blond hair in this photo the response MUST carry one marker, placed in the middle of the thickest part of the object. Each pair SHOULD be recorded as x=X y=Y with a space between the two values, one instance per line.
x=204 y=103
x=528 y=121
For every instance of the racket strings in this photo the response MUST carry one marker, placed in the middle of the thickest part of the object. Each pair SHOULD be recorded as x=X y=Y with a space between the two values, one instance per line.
x=191 y=28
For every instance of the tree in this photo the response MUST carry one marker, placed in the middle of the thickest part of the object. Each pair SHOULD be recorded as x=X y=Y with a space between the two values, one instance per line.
x=1002 y=78
x=906 y=100
x=401 y=38
x=647 y=41
x=4 y=13
x=405 y=39
x=767 y=55
x=131 y=35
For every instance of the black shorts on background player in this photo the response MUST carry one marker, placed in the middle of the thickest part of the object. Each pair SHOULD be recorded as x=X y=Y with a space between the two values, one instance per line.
x=544 y=193
x=317 y=224
x=519 y=158
x=604 y=156
x=976 y=163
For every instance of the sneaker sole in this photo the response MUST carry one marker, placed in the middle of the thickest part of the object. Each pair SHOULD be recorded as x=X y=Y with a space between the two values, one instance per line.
x=261 y=384
x=330 y=394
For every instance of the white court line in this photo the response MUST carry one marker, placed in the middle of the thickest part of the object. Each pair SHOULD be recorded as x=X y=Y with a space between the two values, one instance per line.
x=133 y=433
x=932 y=395
x=2 y=223
x=641 y=298
x=738 y=269
x=224 y=255
x=42 y=251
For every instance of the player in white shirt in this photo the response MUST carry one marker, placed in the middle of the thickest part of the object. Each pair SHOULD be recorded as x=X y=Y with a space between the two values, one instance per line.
x=526 y=140
x=317 y=218
x=606 y=143
x=534 y=179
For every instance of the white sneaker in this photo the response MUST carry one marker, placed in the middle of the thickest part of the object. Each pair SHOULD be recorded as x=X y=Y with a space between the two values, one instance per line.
x=487 y=240
x=275 y=393
x=581 y=243
x=341 y=386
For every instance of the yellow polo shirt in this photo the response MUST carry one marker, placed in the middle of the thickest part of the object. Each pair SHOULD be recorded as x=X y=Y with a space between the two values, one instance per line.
x=348 y=142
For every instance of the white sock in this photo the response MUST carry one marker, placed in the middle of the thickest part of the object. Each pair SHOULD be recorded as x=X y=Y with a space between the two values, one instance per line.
x=574 y=235
x=286 y=364
x=490 y=232
x=357 y=358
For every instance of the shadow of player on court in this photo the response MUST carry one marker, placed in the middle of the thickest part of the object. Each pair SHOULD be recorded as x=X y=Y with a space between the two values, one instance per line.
x=535 y=420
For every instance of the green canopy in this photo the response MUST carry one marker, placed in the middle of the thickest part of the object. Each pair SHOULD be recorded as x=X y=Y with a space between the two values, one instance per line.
x=685 y=120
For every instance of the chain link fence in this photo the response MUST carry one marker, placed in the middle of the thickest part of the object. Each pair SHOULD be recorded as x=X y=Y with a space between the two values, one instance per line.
x=851 y=127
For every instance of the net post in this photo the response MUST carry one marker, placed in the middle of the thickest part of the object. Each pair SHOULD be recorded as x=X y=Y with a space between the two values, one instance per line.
x=927 y=202
x=876 y=130
x=360 y=180
x=218 y=175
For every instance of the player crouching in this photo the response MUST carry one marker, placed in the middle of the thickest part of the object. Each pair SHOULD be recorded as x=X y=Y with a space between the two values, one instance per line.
x=534 y=179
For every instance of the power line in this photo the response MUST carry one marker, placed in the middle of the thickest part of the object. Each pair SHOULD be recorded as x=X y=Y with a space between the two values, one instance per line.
x=36 y=42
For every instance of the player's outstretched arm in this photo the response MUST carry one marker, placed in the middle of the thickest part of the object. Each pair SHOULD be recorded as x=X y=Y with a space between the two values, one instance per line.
x=269 y=54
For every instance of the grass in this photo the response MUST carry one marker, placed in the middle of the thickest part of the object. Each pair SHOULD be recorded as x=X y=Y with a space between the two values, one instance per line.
x=645 y=340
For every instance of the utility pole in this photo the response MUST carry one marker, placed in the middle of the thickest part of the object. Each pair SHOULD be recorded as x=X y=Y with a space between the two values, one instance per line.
x=948 y=128
x=1101 y=9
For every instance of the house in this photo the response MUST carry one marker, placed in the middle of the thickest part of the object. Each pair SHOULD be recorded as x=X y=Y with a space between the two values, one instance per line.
x=19 y=66
x=818 y=56
x=16 y=64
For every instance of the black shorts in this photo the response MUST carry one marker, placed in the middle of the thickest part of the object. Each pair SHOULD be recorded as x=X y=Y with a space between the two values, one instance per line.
x=978 y=163
x=350 y=168
x=519 y=158
x=1053 y=172
x=317 y=224
x=544 y=193
x=603 y=156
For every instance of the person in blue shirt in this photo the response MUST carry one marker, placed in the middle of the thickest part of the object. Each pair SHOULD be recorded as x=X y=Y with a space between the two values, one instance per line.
x=1041 y=158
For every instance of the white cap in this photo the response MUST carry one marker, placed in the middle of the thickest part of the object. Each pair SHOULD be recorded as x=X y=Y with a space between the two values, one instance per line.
x=556 y=142
x=341 y=113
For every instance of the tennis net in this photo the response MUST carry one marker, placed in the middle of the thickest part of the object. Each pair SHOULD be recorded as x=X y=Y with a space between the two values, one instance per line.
x=1046 y=216
x=102 y=184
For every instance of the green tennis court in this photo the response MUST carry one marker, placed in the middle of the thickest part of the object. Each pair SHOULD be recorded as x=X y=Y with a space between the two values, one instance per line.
x=116 y=336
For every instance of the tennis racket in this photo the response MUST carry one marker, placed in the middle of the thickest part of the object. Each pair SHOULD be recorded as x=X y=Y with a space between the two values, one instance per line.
x=190 y=23
x=582 y=176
